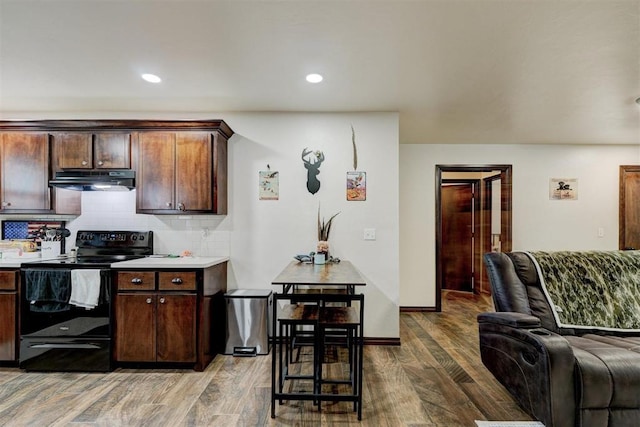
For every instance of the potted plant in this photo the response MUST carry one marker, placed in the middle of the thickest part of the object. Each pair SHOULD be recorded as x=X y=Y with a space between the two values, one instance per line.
x=324 y=228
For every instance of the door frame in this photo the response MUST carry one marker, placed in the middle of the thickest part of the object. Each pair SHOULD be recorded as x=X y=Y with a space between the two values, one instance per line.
x=505 y=211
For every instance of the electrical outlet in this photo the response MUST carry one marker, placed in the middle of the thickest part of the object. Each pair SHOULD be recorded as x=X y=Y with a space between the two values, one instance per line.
x=600 y=232
x=369 y=234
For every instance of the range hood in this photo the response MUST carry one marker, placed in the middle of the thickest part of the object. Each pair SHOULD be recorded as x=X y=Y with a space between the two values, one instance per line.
x=95 y=180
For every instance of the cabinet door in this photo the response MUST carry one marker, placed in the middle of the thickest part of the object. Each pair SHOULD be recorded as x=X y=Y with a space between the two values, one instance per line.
x=156 y=174
x=112 y=151
x=24 y=165
x=194 y=171
x=8 y=326
x=176 y=332
x=73 y=150
x=135 y=333
x=8 y=280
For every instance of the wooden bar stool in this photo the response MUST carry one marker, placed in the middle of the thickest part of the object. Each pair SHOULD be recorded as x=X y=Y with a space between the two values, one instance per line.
x=341 y=327
x=287 y=319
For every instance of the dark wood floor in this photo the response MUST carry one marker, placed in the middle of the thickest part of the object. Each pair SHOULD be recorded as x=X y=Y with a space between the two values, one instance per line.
x=435 y=378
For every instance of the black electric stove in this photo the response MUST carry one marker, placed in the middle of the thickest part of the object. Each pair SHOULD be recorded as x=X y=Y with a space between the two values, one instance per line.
x=58 y=332
x=99 y=249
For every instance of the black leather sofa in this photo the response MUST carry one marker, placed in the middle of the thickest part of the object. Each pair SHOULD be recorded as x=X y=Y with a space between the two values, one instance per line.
x=561 y=376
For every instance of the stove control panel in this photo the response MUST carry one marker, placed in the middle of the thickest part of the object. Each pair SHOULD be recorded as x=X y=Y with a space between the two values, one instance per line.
x=114 y=239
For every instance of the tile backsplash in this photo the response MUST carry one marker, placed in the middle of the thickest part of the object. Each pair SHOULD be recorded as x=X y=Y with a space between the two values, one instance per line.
x=204 y=235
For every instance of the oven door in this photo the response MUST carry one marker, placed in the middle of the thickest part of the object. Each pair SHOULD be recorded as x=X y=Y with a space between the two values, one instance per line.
x=59 y=336
x=65 y=354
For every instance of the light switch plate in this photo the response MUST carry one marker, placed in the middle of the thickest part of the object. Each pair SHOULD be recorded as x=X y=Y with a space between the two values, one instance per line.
x=369 y=234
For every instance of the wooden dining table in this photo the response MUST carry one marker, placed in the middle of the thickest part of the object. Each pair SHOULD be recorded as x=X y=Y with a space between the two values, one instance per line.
x=316 y=284
x=332 y=274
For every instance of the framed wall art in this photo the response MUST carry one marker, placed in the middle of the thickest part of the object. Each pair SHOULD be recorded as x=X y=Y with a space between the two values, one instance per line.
x=356 y=186
x=269 y=185
x=563 y=189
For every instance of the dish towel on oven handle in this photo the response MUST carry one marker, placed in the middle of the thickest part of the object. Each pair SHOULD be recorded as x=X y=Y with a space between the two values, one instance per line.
x=85 y=288
x=48 y=291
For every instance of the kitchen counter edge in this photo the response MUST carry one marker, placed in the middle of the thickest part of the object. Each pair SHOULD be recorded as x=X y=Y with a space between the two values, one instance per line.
x=182 y=262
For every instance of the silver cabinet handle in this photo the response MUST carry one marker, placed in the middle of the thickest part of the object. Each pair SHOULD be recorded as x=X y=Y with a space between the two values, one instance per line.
x=100 y=163
x=161 y=300
x=181 y=206
x=168 y=204
x=136 y=281
x=6 y=204
x=85 y=163
x=148 y=300
x=176 y=281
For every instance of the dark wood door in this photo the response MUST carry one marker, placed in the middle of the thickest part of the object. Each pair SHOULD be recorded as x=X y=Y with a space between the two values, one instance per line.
x=176 y=331
x=629 y=211
x=194 y=171
x=8 y=330
x=73 y=150
x=112 y=151
x=457 y=236
x=24 y=165
x=136 y=327
x=156 y=171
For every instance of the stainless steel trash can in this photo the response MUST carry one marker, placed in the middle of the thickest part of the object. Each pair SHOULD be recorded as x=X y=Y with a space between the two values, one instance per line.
x=249 y=314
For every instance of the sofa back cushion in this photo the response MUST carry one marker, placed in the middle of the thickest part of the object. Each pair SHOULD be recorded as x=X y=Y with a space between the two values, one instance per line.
x=594 y=290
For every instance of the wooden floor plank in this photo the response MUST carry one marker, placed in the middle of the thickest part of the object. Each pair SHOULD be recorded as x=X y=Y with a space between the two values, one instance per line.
x=434 y=379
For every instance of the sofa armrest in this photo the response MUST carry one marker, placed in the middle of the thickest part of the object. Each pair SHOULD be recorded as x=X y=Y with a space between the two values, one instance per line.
x=513 y=319
x=535 y=365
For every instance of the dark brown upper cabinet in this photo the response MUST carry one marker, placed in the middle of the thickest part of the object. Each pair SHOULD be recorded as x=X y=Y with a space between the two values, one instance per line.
x=181 y=166
x=181 y=172
x=80 y=150
x=24 y=170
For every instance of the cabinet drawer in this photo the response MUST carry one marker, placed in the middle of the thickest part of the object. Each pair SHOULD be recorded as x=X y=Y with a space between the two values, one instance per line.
x=136 y=280
x=177 y=280
x=8 y=280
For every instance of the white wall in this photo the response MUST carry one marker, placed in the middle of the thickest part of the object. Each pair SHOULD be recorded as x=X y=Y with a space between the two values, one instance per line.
x=265 y=235
x=538 y=223
x=261 y=237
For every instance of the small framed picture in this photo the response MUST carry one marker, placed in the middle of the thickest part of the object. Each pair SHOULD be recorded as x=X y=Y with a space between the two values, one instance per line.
x=356 y=186
x=269 y=185
x=563 y=189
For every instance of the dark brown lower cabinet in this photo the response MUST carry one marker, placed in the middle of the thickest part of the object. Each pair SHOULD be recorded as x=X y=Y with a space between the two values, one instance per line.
x=8 y=334
x=156 y=328
x=170 y=316
x=9 y=286
x=135 y=327
x=176 y=328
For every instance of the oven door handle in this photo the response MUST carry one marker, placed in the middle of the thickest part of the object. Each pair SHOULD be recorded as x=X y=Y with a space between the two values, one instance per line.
x=81 y=346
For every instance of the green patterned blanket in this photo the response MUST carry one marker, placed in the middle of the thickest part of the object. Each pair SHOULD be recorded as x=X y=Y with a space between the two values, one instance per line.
x=592 y=289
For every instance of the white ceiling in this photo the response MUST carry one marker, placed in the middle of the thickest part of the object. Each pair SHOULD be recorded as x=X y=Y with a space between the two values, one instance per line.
x=456 y=71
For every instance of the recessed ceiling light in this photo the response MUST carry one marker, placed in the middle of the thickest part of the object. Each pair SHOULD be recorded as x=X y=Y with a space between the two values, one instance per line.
x=314 y=78
x=637 y=100
x=151 y=78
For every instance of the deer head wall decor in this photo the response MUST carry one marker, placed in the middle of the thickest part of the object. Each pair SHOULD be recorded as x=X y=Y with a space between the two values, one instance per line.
x=312 y=164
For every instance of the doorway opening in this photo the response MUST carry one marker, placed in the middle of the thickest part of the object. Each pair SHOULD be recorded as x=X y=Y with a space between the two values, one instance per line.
x=473 y=216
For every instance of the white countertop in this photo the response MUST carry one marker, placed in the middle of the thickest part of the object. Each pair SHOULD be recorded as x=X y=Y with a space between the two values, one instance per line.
x=14 y=261
x=165 y=262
